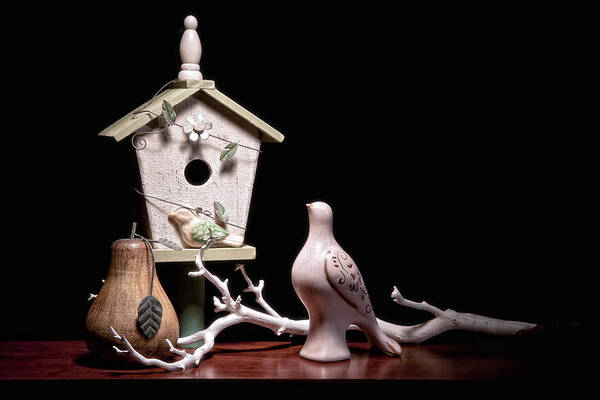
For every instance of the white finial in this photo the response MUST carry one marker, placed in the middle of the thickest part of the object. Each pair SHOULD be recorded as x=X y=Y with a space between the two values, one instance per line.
x=190 y=51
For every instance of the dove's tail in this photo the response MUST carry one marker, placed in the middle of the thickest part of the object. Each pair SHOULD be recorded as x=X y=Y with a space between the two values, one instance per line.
x=383 y=342
x=232 y=241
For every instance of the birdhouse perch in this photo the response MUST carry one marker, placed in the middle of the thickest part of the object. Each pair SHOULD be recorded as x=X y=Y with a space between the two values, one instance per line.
x=184 y=139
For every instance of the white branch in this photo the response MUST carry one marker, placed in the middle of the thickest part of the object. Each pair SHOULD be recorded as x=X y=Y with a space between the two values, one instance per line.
x=187 y=361
x=413 y=304
x=239 y=313
x=93 y=295
x=173 y=350
x=257 y=290
x=446 y=321
x=209 y=243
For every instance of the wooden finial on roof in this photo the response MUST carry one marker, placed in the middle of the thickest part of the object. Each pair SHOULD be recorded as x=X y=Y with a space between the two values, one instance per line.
x=190 y=51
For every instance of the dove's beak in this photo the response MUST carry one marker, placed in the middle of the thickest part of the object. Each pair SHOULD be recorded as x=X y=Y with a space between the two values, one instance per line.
x=309 y=205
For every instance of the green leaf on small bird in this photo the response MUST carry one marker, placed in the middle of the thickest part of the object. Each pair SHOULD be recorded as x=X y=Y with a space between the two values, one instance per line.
x=201 y=231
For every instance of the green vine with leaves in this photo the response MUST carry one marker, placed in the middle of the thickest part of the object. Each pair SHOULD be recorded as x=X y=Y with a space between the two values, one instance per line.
x=195 y=127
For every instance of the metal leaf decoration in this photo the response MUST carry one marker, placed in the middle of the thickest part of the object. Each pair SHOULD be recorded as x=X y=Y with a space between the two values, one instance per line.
x=220 y=212
x=229 y=151
x=149 y=316
x=169 y=244
x=168 y=113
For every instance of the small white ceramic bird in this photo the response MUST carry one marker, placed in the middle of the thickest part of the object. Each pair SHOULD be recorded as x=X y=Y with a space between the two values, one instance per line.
x=194 y=231
x=332 y=289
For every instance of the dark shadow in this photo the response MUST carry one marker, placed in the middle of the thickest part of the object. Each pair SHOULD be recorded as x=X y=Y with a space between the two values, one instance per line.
x=92 y=361
x=228 y=166
x=283 y=345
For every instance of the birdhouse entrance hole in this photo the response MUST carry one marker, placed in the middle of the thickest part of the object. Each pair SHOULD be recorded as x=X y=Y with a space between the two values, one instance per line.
x=197 y=172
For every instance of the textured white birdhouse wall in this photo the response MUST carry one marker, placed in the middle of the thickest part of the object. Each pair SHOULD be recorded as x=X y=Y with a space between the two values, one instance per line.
x=162 y=164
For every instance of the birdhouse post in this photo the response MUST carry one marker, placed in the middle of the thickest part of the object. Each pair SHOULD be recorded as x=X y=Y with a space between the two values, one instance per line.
x=197 y=152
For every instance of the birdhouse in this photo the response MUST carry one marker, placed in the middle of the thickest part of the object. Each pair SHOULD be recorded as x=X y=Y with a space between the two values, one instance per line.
x=195 y=147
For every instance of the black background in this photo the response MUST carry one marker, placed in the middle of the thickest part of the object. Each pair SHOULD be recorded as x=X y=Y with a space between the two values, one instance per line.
x=452 y=141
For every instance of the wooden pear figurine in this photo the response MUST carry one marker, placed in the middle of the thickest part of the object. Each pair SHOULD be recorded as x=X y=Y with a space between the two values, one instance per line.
x=194 y=231
x=127 y=284
x=332 y=289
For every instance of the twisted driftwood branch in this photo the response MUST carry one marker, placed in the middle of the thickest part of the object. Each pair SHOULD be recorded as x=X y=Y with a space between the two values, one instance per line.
x=443 y=321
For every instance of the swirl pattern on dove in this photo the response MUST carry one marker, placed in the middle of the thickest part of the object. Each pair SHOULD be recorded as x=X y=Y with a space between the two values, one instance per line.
x=350 y=283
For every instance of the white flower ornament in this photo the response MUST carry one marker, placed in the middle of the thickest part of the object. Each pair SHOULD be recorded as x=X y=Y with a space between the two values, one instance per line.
x=195 y=126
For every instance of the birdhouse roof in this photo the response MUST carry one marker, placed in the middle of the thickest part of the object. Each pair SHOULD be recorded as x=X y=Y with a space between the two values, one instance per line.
x=175 y=94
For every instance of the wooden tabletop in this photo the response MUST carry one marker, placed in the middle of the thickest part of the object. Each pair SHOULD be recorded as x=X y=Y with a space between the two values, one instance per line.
x=279 y=362
x=43 y=360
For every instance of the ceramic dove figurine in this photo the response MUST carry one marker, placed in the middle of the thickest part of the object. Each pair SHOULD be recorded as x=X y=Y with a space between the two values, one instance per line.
x=194 y=231
x=332 y=289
